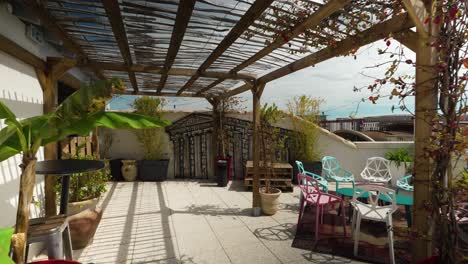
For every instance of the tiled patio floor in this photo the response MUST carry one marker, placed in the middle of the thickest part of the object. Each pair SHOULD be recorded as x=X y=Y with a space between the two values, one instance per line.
x=191 y=222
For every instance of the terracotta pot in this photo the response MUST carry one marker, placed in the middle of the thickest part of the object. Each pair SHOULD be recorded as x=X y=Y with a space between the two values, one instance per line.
x=270 y=201
x=83 y=225
x=77 y=207
x=129 y=170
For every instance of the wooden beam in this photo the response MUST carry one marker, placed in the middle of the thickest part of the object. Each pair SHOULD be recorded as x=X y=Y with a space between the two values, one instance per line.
x=59 y=66
x=312 y=21
x=184 y=12
x=18 y=52
x=71 y=81
x=256 y=93
x=408 y=38
x=418 y=13
x=382 y=30
x=159 y=70
x=160 y=94
x=115 y=19
x=254 y=12
x=36 y=7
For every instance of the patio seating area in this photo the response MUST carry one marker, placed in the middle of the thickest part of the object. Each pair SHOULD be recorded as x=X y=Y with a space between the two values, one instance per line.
x=194 y=222
x=154 y=183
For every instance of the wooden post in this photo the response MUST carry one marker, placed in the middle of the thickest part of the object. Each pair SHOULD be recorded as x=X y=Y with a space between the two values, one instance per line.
x=257 y=91
x=425 y=111
x=50 y=150
x=55 y=69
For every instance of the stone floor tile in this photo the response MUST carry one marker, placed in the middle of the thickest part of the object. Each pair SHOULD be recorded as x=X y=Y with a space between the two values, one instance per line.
x=251 y=253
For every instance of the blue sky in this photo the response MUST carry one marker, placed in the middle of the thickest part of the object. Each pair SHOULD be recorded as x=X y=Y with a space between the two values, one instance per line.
x=332 y=80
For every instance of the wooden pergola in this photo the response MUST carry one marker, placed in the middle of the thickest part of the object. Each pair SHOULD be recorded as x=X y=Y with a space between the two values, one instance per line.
x=218 y=49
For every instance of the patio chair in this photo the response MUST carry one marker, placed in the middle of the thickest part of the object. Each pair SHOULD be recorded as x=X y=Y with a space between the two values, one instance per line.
x=373 y=211
x=312 y=194
x=321 y=181
x=377 y=170
x=334 y=171
x=404 y=183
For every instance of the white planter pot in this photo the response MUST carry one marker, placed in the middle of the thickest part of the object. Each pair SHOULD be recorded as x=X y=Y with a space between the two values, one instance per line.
x=398 y=172
x=129 y=170
x=270 y=201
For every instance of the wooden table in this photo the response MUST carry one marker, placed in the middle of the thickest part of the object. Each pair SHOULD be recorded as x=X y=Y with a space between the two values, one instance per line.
x=64 y=168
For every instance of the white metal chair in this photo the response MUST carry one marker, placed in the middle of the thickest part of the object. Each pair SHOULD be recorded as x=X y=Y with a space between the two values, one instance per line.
x=373 y=211
x=377 y=170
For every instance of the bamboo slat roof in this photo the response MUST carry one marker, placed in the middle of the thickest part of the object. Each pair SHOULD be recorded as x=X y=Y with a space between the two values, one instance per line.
x=199 y=47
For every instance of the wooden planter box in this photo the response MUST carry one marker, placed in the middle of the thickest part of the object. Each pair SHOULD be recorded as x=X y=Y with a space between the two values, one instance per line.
x=280 y=178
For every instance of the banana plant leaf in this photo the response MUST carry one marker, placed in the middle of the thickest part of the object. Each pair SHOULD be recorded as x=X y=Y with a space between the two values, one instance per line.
x=5 y=238
x=79 y=114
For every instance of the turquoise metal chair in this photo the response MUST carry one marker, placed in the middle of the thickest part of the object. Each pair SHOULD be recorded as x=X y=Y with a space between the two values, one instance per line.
x=404 y=183
x=333 y=170
x=321 y=181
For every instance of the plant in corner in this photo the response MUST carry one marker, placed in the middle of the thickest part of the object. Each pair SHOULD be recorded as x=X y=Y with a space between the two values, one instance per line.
x=400 y=163
x=79 y=114
x=304 y=112
x=223 y=161
x=270 y=140
x=153 y=167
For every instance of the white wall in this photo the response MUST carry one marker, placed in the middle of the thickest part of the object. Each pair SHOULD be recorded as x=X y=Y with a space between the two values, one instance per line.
x=21 y=92
x=351 y=155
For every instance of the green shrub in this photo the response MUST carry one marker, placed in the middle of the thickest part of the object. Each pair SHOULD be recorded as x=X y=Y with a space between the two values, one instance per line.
x=88 y=185
x=398 y=156
x=151 y=139
x=305 y=112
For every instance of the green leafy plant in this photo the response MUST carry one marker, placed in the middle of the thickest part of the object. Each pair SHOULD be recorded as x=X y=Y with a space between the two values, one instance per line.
x=78 y=114
x=399 y=156
x=271 y=140
x=305 y=114
x=88 y=185
x=151 y=139
x=5 y=237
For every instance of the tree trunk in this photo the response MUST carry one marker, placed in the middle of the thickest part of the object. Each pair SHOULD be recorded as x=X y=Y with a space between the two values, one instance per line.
x=27 y=181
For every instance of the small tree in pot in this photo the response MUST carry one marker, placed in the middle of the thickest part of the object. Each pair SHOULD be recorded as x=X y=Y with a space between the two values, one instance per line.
x=271 y=141
x=224 y=160
x=305 y=115
x=153 y=167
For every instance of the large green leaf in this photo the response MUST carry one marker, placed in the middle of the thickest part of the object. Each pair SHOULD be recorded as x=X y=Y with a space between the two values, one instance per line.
x=13 y=124
x=113 y=120
x=116 y=120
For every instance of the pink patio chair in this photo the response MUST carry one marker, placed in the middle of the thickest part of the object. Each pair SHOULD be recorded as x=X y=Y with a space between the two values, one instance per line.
x=312 y=194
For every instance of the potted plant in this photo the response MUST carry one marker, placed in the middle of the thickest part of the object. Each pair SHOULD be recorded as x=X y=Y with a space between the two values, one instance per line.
x=79 y=114
x=84 y=194
x=305 y=114
x=400 y=163
x=270 y=141
x=224 y=160
x=153 y=167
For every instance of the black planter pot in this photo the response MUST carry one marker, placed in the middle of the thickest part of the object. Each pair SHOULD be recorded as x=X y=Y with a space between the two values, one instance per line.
x=115 y=168
x=314 y=167
x=153 y=170
x=222 y=169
